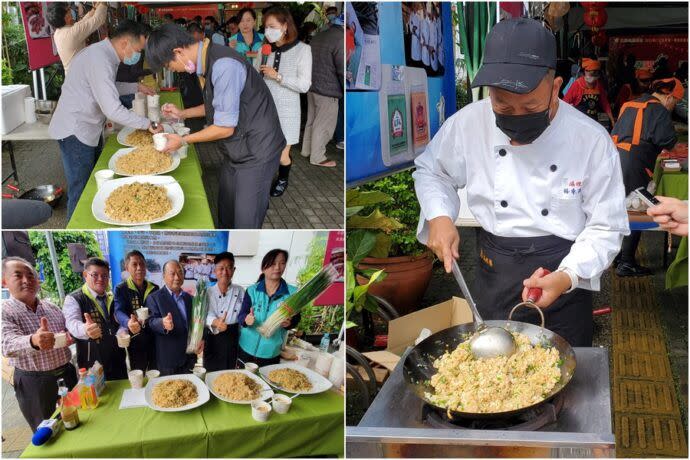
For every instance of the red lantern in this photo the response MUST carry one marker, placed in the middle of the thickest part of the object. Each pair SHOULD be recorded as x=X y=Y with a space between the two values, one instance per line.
x=599 y=39
x=595 y=18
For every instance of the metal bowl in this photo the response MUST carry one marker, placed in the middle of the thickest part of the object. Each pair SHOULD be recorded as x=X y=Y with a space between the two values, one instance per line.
x=50 y=194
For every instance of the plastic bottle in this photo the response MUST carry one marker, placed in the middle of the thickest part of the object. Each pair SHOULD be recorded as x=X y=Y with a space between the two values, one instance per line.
x=99 y=372
x=325 y=342
x=85 y=394
x=91 y=385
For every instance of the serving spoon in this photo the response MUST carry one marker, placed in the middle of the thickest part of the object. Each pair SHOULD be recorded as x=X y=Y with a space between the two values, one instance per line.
x=487 y=341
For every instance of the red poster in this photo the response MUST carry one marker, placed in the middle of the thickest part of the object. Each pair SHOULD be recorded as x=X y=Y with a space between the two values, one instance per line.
x=334 y=295
x=189 y=11
x=39 y=35
x=648 y=48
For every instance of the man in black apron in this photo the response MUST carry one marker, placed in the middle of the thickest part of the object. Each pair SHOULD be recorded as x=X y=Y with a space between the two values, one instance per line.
x=240 y=114
x=542 y=179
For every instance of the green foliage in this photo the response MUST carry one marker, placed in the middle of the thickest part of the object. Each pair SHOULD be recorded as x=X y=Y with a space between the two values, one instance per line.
x=404 y=208
x=318 y=319
x=70 y=280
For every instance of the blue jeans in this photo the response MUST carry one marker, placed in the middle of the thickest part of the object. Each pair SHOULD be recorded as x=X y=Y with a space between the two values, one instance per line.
x=126 y=100
x=78 y=160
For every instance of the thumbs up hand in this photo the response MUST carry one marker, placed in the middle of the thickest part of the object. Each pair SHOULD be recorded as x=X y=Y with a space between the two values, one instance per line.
x=168 y=322
x=250 y=317
x=133 y=324
x=43 y=338
x=92 y=328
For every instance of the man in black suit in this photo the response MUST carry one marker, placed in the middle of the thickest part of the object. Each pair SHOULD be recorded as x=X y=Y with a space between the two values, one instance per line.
x=171 y=310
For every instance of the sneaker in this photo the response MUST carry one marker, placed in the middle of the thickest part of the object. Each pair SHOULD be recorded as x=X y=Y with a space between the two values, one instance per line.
x=628 y=269
x=340 y=145
x=279 y=187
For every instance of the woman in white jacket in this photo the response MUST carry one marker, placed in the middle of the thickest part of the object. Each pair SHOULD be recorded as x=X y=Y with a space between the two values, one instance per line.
x=287 y=73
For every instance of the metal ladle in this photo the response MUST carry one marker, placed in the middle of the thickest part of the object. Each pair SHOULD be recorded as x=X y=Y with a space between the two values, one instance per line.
x=487 y=341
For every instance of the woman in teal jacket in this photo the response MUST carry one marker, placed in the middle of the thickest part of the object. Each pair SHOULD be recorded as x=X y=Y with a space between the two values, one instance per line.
x=261 y=299
x=247 y=40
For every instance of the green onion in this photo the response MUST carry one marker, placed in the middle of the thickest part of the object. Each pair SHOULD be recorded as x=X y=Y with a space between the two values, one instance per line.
x=198 y=320
x=293 y=304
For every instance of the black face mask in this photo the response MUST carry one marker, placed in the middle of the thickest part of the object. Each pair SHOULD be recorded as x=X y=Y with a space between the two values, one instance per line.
x=524 y=129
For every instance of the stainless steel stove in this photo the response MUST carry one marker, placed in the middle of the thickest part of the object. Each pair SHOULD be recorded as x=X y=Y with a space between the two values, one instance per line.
x=577 y=423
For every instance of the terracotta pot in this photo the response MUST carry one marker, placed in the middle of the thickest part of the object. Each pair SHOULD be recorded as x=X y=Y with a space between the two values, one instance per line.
x=407 y=280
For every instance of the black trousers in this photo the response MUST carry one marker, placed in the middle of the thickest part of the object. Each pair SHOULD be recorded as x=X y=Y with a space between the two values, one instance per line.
x=186 y=368
x=244 y=193
x=504 y=263
x=220 y=350
x=247 y=358
x=36 y=392
x=629 y=247
x=142 y=351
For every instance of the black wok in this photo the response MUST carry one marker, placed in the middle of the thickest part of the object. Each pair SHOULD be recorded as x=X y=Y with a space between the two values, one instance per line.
x=419 y=364
x=47 y=193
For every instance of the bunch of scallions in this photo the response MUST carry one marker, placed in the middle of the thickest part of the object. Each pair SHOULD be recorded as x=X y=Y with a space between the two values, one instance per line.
x=293 y=304
x=198 y=319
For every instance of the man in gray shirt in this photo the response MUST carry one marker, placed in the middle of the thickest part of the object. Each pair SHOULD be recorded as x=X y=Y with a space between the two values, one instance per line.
x=89 y=96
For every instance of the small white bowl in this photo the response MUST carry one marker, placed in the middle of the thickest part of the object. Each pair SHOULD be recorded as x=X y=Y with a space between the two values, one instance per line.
x=152 y=374
x=281 y=403
x=261 y=411
x=251 y=367
x=102 y=176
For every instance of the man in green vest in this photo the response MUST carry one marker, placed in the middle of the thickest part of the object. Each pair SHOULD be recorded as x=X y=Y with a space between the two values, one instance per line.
x=90 y=317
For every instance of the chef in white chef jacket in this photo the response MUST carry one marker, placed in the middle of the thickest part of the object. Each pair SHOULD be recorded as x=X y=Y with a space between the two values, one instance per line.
x=415 y=32
x=433 y=56
x=543 y=181
x=424 y=26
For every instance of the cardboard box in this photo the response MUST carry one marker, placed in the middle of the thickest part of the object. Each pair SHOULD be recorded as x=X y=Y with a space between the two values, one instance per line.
x=403 y=331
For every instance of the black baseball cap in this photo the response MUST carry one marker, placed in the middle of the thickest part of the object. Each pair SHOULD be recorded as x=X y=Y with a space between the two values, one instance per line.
x=517 y=56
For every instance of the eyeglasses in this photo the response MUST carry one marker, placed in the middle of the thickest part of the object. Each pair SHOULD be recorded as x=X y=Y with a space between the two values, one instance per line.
x=95 y=275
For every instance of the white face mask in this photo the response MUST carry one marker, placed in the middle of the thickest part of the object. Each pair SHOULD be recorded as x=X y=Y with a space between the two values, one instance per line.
x=273 y=35
x=591 y=79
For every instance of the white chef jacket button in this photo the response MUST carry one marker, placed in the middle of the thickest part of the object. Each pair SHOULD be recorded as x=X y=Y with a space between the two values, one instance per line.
x=504 y=203
x=544 y=212
x=554 y=168
x=502 y=152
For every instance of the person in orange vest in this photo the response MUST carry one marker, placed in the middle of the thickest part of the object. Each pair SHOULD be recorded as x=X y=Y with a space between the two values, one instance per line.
x=643 y=130
x=588 y=94
x=630 y=91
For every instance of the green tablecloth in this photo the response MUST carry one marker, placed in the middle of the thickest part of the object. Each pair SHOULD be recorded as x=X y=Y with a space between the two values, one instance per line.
x=675 y=184
x=314 y=426
x=195 y=214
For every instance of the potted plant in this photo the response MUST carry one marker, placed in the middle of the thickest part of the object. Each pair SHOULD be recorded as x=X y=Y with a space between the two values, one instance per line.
x=396 y=251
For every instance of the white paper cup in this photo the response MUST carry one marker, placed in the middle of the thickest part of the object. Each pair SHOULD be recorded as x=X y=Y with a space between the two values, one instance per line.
x=159 y=141
x=153 y=101
x=261 y=411
x=199 y=372
x=123 y=340
x=251 y=367
x=142 y=314
x=139 y=107
x=29 y=110
x=281 y=404
x=152 y=374
x=154 y=114
x=102 y=176
x=60 y=340
x=139 y=96
x=136 y=378
x=182 y=152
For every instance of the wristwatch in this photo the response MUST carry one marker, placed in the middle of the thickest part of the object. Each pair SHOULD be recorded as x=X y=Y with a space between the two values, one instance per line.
x=574 y=280
x=279 y=78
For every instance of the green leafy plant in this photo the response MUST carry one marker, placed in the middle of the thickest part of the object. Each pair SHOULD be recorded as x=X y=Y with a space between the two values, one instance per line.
x=405 y=210
x=71 y=281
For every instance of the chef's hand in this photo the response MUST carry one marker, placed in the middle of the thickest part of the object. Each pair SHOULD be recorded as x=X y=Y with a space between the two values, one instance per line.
x=249 y=320
x=200 y=348
x=168 y=322
x=552 y=286
x=671 y=215
x=157 y=129
x=219 y=323
x=92 y=328
x=171 y=111
x=174 y=142
x=133 y=324
x=269 y=72
x=43 y=338
x=142 y=88
x=444 y=240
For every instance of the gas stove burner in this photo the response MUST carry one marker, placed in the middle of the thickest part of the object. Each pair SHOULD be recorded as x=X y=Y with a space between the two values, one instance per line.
x=531 y=420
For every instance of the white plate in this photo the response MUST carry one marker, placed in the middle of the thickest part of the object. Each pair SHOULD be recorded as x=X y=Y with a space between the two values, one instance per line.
x=113 y=160
x=126 y=131
x=211 y=377
x=319 y=384
x=202 y=391
x=175 y=194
